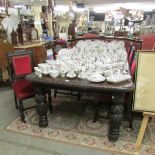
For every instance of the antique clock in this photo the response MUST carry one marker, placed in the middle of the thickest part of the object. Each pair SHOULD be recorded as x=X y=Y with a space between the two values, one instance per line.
x=34 y=34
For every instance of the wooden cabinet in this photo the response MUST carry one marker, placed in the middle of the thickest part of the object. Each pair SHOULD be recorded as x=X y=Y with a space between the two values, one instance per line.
x=38 y=49
x=5 y=47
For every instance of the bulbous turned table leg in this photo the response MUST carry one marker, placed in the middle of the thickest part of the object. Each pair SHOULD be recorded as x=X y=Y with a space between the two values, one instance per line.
x=41 y=106
x=116 y=115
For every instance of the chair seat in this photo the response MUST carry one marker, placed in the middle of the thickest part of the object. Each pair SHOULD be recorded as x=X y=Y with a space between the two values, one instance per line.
x=23 y=89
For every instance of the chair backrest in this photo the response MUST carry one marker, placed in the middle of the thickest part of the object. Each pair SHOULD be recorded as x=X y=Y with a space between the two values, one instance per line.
x=148 y=41
x=131 y=56
x=133 y=68
x=129 y=49
x=91 y=35
x=136 y=43
x=20 y=64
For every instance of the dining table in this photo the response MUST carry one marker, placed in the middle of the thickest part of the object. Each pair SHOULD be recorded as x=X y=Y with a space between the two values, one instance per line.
x=117 y=90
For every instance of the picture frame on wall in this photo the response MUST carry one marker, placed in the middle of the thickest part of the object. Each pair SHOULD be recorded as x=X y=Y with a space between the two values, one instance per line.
x=145 y=82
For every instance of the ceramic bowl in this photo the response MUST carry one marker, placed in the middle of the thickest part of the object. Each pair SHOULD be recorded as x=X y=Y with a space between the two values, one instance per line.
x=54 y=73
x=108 y=73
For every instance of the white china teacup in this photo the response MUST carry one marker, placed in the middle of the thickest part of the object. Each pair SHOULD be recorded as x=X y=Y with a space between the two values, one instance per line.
x=108 y=73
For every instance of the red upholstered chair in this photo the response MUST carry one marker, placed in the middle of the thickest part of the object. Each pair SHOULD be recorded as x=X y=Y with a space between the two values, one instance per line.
x=129 y=49
x=20 y=64
x=133 y=68
x=56 y=48
x=131 y=56
x=148 y=41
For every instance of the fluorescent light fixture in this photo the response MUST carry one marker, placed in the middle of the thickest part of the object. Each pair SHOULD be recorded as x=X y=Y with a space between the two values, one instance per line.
x=65 y=8
x=79 y=9
x=148 y=10
x=62 y=8
x=146 y=6
x=107 y=7
x=18 y=6
x=139 y=6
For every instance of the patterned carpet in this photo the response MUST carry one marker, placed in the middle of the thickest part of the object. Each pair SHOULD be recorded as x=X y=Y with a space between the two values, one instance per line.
x=71 y=122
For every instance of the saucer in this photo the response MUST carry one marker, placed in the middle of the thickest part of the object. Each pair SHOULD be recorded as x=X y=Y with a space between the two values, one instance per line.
x=96 y=79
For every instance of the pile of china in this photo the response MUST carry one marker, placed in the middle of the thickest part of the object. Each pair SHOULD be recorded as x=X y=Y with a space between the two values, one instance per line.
x=95 y=61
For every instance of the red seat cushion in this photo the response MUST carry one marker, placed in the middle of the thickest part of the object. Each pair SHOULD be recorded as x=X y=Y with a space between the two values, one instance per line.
x=22 y=65
x=23 y=89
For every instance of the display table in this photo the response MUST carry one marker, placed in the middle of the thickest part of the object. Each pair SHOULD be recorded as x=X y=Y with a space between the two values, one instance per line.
x=117 y=90
x=38 y=49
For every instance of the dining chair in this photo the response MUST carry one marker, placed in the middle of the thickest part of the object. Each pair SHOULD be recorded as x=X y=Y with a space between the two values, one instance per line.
x=20 y=64
x=131 y=56
x=56 y=47
x=91 y=35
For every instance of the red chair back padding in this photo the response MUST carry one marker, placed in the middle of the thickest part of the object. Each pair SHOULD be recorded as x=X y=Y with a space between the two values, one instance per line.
x=133 y=68
x=22 y=65
x=131 y=56
x=91 y=35
x=129 y=49
x=148 y=41
x=61 y=42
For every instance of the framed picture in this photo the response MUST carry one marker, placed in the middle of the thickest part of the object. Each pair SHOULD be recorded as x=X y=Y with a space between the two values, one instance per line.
x=145 y=82
x=34 y=35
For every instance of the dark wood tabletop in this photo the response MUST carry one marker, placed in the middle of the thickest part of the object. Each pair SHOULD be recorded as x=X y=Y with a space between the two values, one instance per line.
x=80 y=84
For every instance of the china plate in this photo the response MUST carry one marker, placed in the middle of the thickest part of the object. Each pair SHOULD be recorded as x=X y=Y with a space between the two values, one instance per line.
x=96 y=79
x=118 y=79
x=71 y=76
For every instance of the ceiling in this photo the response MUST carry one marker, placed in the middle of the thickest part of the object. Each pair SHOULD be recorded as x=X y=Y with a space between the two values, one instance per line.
x=94 y=2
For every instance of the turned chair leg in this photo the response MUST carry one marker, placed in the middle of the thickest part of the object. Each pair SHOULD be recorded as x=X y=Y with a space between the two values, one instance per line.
x=16 y=105
x=21 y=110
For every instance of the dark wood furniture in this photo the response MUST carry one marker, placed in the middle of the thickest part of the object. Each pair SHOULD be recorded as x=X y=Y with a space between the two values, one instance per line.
x=56 y=46
x=127 y=41
x=5 y=47
x=107 y=98
x=38 y=49
x=117 y=90
x=121 y=34
x=20 y=64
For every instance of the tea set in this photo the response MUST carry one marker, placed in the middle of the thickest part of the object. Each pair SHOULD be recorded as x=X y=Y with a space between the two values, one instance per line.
x=95 y=61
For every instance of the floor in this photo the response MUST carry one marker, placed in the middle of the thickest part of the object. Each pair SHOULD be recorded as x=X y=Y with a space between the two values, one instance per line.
x=15 y=144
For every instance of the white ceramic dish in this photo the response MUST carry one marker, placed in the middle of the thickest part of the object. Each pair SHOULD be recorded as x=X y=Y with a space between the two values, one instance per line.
x=71 y=75
x=96 y=78
x=118 y=78
x=54 y=73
